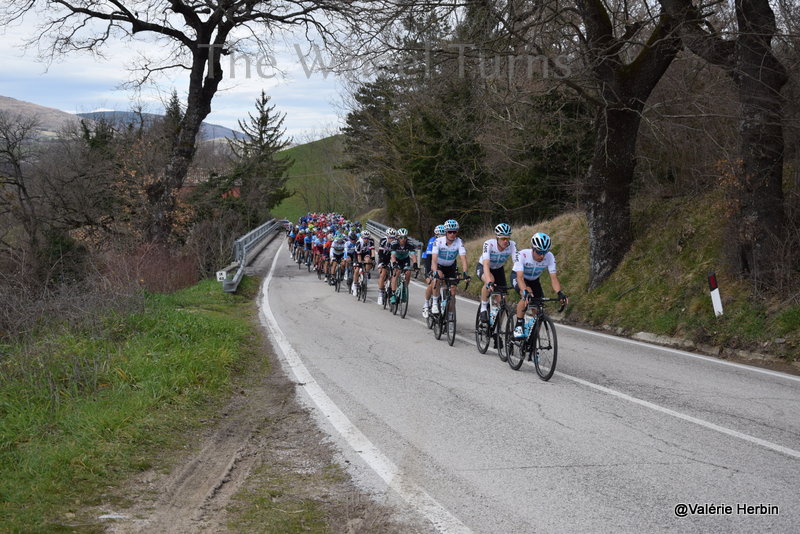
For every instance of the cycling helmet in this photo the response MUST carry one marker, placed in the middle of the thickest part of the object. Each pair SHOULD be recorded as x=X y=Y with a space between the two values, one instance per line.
x=439 y=230
x=353 y=236
x=541 y=241
x=402 y=232
x=365 y=233
x=502 y=230
x=391 y=232
x=451 y=225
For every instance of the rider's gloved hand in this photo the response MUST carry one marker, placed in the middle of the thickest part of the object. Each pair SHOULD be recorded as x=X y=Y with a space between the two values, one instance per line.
x=562 y=297
x=465 y=275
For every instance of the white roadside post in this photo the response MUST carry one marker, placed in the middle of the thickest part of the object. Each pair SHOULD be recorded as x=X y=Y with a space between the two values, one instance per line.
x=716 y=300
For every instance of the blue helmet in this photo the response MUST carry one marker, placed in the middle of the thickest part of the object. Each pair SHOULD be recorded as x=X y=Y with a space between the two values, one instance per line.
x=450 y=225
x=502 y=230
x=541 y=241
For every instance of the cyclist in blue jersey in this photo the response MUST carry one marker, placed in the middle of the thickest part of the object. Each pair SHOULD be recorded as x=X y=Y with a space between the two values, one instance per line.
x=426 y=257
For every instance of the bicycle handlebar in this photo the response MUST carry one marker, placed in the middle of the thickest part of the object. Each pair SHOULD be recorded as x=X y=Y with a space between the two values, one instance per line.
x=533 y=300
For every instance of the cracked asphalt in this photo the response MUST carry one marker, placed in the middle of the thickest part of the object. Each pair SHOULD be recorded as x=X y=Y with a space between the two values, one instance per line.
x=505 y=452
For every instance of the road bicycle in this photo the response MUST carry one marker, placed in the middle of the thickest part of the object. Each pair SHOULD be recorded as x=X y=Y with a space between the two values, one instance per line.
x=400 y=295
x=540 y=343
x=361 y=284
x=445 y=320
x=495 y=330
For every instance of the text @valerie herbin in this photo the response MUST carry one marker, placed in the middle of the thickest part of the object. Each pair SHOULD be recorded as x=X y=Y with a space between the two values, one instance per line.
x=691 y=509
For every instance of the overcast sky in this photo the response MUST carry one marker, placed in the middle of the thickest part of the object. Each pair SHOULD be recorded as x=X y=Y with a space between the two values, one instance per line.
x=82 y=83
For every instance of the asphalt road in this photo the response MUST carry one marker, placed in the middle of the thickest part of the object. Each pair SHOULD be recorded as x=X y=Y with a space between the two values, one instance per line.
x=622 y=435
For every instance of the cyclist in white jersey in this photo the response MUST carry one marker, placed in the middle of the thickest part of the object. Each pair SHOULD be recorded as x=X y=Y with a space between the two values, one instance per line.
x=490 y=267
x=426 y=256
x=443 y=259
x=529 y=264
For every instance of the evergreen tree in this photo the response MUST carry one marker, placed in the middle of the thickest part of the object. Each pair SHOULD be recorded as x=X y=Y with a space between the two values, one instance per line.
x=259 y=172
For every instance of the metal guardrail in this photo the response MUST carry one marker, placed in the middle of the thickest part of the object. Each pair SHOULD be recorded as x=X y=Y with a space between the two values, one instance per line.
x=243 y=249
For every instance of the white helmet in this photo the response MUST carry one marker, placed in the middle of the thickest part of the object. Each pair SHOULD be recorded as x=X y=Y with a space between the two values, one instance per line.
x=391 y=232
x=402 y=232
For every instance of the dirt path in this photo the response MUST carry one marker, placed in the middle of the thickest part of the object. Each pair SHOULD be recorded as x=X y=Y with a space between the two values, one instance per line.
x=261 y=441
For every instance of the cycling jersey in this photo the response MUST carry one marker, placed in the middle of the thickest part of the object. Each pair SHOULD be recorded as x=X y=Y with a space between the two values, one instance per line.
x=532 y=269
x=384 y=252
x=338 y=249
x=365 y=246
x=326 y=248
x=429 y=249
x=447 y=253
x=307 y=241
x=402 y=252
x=350 y=246
x=496 y=257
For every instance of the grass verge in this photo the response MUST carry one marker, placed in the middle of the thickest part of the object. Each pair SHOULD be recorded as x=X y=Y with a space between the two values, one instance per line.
x=81 y=410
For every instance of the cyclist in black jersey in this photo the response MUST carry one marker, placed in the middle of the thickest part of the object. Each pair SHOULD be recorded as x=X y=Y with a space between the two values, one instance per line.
x=402 y=254
x=384 y=259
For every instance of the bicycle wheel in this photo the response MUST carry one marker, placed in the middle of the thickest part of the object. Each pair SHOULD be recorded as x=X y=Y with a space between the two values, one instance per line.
x=545 y=349
x=482 y=336
x=438 y=325
x=394 y=306
x=451 y=320
x=514 y=353
x=337 y=281
x=363 y=288
x=403 y=300
x=308 y=264
x=320 y=274
x=429 y=320
x=499 y=333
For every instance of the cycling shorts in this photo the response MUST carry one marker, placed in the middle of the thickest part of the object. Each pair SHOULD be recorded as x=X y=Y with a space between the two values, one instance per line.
x=534 y=286
x=450 y=271
x=499 y=274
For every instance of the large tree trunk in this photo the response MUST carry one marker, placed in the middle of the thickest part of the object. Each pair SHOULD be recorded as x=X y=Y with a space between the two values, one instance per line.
x=759 y=77
x=607 y=190
x=203 y=85
x=624 y=89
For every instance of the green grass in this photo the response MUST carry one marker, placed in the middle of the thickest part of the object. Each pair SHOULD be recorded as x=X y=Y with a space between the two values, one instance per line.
x=80 y=410
x=317 y=184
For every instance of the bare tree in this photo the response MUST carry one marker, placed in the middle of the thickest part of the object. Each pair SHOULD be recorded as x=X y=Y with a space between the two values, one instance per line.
x=196 y=34
x=759 y=76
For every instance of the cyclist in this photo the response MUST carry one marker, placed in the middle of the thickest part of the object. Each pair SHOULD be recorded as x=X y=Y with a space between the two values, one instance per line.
x=308 y=242
x=490 y=267
x=529 y=264
x=426 y=256
x=402 y=253
x=290 y=235
x=298 y=241
x=338 y=255
x=443 y=259
x=384 y=258
x=326 y=256
x=365 y=252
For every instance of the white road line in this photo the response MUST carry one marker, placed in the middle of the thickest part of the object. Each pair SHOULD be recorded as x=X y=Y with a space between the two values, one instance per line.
x=647 y=404
x=679 y=352
x=415 y=495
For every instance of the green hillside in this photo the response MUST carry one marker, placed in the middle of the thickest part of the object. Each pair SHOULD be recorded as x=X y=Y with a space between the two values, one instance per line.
x=316 y=182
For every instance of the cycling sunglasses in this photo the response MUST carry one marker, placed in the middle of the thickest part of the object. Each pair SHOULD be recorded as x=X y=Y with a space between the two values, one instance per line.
x=540 y=252
x=452 y=231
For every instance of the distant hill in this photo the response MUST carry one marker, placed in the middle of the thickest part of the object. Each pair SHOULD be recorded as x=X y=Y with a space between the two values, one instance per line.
x=317 y=182
x=207 y=130
x=51 y=120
